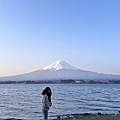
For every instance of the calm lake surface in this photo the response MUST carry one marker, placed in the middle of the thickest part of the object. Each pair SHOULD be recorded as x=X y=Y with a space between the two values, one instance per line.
x=24 y=100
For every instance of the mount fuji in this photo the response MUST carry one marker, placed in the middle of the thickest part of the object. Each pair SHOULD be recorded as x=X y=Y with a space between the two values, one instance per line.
x=60 y=70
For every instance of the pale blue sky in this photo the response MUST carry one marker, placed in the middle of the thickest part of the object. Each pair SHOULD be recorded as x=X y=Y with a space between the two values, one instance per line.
x=36 y=33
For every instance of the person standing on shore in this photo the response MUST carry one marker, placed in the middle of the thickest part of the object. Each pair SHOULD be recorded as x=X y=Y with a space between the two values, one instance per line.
x=46 y=102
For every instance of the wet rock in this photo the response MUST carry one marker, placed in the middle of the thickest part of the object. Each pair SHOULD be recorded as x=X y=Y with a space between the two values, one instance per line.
x=87 y=114
x=58 y=117
x=99 y=113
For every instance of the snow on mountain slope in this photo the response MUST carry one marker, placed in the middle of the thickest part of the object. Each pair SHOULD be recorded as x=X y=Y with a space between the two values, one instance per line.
x=59 y=65
x=60 y=70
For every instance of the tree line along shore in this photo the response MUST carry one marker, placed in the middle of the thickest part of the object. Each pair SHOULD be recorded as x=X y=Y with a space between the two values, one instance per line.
x=69 y=81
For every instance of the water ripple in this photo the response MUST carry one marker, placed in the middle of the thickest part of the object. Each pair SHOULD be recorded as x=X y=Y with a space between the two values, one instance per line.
x=24 y=100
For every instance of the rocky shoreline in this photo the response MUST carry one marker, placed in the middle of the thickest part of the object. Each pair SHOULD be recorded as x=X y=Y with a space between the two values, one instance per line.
x=94 y=117
x=88 y=116
x=85 y=116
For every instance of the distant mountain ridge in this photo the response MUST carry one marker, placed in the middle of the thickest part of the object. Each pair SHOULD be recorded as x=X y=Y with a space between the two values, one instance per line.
x=60 y=70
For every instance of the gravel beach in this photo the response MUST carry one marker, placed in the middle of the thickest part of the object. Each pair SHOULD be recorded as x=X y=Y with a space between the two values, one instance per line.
x=94 y=117
x=83 y=117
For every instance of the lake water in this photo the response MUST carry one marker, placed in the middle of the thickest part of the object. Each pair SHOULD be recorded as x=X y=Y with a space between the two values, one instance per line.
x=23 y=101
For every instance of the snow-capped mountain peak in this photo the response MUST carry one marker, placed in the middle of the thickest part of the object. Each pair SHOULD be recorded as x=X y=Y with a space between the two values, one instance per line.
x=59 y=65
x=60 y=70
